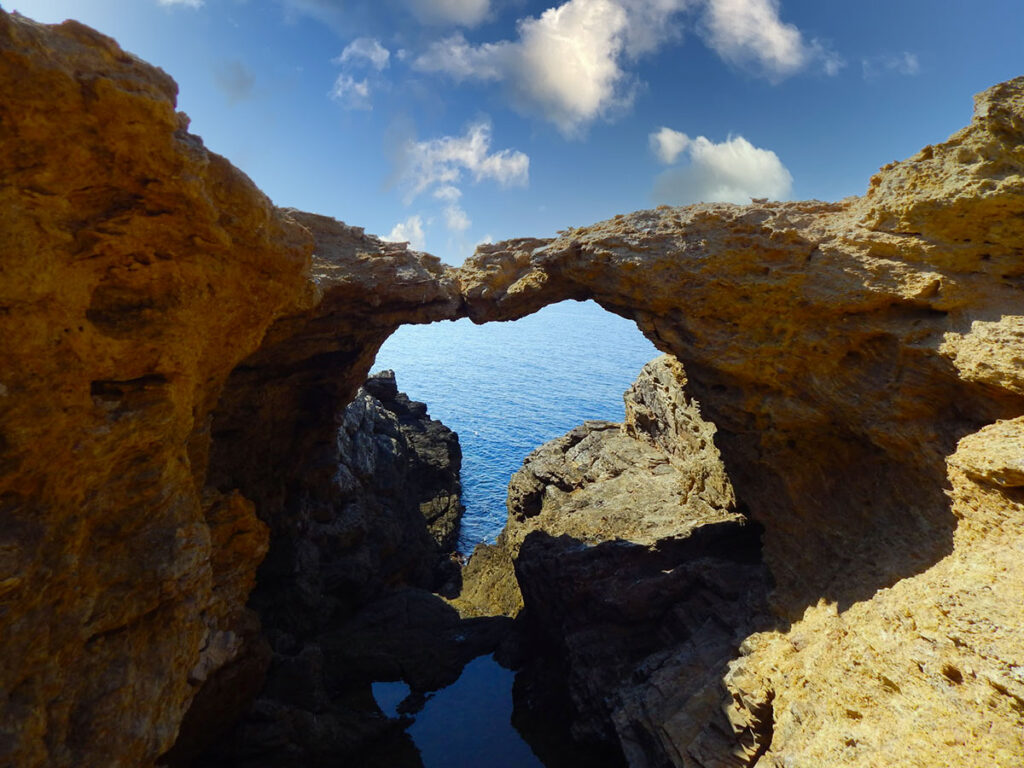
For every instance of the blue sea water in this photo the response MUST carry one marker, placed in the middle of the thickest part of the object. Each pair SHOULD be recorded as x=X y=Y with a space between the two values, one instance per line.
x=507 y=388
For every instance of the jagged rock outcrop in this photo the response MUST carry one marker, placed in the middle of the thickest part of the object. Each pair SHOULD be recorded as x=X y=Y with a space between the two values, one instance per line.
x=427 y=465
x=632 y=561
x=179 y=353
x=850 y=354
x=136 y=270
x=369 y=557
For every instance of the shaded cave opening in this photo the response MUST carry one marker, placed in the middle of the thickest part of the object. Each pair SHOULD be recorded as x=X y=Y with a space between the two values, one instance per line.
x=509 y=389
x=347 y=605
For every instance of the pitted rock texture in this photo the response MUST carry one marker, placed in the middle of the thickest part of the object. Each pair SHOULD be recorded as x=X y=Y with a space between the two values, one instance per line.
x=136 y=270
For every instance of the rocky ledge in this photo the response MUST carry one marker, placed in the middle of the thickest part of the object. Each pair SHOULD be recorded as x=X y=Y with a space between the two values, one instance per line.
x=179 y=355
x=627 y=561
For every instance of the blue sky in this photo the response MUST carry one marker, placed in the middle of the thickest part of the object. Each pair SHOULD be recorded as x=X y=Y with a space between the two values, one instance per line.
x=449 y=122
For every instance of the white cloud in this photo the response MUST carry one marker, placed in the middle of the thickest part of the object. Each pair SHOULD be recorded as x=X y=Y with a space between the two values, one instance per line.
x=668 y=144
x=456 y=219
x=365 y=49
x=466 y=13
x=361 y=54
x=409 y=231
x=186 y=3
x=905 y=63
x=733 y=171
x=351 y=93
x=448 y=192
x=745 y=32
x=565 y=65
x=443 y=161
x=570 y=64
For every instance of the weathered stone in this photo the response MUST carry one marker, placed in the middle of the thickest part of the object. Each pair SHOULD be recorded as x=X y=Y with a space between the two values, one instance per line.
x=136 y=270
x=432 y=460
x=844 y=351
x=632 y=562
x=168 y=345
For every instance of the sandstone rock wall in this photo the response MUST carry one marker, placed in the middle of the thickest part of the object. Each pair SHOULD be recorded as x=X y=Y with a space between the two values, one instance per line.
x=136 y=270
x=139 y=275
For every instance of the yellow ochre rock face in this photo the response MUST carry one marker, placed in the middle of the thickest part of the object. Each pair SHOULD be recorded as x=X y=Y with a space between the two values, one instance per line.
x=862 y=362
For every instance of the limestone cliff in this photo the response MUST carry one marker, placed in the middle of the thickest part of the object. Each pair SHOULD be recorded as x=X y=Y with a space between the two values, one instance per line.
x=178 y=355
x=136 y=270
x=861 y=360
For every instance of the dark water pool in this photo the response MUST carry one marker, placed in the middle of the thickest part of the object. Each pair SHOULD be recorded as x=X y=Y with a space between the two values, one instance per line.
x=469 y=723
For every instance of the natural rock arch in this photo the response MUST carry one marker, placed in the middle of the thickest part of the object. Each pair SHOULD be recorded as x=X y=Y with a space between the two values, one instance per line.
x=172 y=338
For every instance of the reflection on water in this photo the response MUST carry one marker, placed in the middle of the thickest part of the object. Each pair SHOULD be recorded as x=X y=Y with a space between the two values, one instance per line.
x=469 y=723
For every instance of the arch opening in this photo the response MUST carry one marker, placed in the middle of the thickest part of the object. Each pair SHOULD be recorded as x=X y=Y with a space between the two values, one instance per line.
x=507 y=388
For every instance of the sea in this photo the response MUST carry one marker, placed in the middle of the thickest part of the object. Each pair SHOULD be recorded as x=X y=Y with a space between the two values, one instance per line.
x=507 y=388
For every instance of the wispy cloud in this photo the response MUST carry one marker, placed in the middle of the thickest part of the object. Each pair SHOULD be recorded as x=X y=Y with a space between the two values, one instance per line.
x=185 y=3
x=465 y=13
x=351 y=93
x=439 y=166
x=365 y=50
x=905 y=63
x=456 y=219
x=732 y=171
x=443 y=162
x=365 y=55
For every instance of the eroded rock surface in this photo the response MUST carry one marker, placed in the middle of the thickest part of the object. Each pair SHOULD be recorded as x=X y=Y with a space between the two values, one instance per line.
x=853 y=356
x=428 y=464
x=139 y=275
x=136 y=270
x=178 y=355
